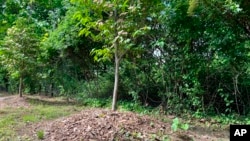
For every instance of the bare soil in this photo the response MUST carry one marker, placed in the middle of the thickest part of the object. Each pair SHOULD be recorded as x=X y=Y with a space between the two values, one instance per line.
x=13 y=101
x=106 y=125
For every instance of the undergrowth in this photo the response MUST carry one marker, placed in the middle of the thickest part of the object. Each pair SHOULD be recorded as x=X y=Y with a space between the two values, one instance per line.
x=124 y=105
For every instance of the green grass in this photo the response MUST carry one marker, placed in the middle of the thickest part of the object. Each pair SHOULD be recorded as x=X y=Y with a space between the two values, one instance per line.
x=8 y=120
x=13 y=119
x=40 y=134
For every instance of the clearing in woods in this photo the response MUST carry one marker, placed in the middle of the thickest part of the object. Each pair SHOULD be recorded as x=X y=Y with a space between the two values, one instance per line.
x=54 y=120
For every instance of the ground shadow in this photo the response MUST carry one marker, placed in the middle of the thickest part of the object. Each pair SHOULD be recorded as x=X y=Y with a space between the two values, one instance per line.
x=38 y=100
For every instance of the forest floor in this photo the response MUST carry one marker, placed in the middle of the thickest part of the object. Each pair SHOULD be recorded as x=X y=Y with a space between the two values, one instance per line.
x=94 y=124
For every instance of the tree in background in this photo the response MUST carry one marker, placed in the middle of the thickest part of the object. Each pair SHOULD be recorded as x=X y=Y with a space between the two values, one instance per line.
x=19 y=51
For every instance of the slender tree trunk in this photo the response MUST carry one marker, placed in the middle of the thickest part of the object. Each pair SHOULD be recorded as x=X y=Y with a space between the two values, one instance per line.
x=117 y=62
x=51 y=88
x=21 y=86
x=115 y=92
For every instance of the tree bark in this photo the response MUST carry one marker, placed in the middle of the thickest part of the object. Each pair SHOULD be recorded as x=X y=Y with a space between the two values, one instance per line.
x=117 y=62
x=21 y=86
x=115 y=92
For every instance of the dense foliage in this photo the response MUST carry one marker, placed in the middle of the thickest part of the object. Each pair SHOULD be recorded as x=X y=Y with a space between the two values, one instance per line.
x=177 y=54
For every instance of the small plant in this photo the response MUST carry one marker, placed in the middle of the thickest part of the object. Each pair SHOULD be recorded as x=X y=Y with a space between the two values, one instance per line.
x=40 y=134
x=165 y=138
x=178 y=125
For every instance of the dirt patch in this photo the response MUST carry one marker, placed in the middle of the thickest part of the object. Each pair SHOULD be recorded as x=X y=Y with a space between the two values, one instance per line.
x=13 y=101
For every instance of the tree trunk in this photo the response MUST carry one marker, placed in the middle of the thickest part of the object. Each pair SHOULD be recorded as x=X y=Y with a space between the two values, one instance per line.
x=51 y=89
x=21 y=86
x=115 y=92
x=117 y=62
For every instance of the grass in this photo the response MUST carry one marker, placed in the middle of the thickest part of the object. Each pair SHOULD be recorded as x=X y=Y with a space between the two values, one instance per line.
x=14 y=119
x=40 y=134
x=8 y=120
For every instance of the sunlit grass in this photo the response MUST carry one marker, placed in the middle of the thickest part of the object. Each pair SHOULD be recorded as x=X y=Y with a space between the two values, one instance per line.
x=8 y=121
x=14 y=119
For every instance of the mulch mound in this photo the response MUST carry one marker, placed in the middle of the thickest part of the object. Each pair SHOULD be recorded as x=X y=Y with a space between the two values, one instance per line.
x=105 y=125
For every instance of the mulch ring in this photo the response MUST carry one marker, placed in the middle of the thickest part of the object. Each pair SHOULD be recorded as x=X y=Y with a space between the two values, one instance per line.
x=106 y=125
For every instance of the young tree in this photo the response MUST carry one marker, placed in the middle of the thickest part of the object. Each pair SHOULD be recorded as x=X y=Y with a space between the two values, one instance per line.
x=19 y=50
x=118 y=24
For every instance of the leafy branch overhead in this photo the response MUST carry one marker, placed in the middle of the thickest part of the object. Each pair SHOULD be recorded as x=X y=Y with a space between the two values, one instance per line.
x=98 y=23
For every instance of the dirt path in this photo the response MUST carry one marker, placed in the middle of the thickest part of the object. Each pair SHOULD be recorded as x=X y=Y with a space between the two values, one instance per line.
x=12 y=101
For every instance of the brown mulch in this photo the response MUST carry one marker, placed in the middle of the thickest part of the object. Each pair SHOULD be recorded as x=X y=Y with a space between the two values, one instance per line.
x=97 y=124
x=106 y=125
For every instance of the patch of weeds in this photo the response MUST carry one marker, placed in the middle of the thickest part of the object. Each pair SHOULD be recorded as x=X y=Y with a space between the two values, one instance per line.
x=6 y=134
x=7 y=125
x=222 y=119
x=164 y=119
x=97 y=102
x=8 y=122
x=154 y=137
x=230 y=119
x=30 y=118
x=40 y=134
x=176 y=125
x=41 y=112
x=134 y=106
x=51 y=112
x=165 y=138
x=137 y=135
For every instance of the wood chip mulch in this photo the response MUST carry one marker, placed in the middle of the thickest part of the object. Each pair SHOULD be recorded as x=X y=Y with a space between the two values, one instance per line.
x=95 y=125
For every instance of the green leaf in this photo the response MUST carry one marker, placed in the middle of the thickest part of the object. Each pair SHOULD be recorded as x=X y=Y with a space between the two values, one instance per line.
x=175 y=124
x=176 y=121
x=174 y=127
x=185 y=127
